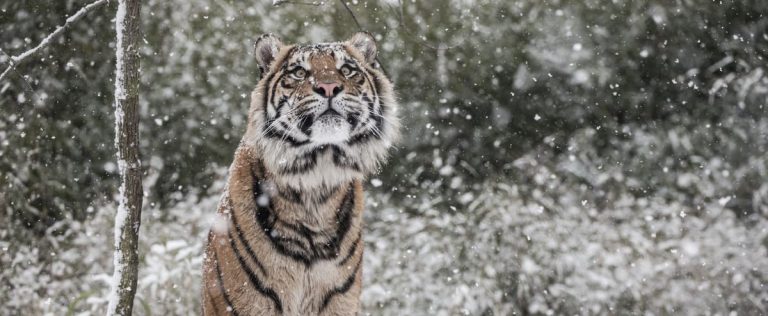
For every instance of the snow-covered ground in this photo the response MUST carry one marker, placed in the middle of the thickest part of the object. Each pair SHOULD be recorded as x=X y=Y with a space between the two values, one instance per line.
x=544 y=246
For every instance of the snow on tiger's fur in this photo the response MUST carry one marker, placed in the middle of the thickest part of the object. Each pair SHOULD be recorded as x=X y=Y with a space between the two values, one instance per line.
x=288 y=240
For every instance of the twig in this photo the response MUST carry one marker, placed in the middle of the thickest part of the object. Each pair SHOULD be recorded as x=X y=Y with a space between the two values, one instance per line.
x=313 y=3
x=401 y=24
x=360 y=27
x=18 y=59
x=349 y=10
x=26 y=83
x=354 y=18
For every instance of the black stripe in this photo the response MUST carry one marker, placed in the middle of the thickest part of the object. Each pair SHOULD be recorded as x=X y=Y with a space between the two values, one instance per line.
x=363 y=138
x=300 y=230
x=373 y=83
x=353 y=118
x=377 y=117
x=284 y=84
x=267 y=84
x=369 y=102
x=273 y=91
x=290 y=194
x=266 y=220
x=348 y=98
x=377 y=87
x=282 y=74
x=350 y=61
x=288 y=240
x=344 y=217
x=295 y=248
x=243 y=241
x=221 y=283
x=265 y=291
x=332 y=247
x=340 y=159
x=352 y=249
x=280 y=105
x=325 y=195
x=304 y=163
x=316 y=251
x=305 y=124
x=376 y=83
x=305 y=102
x=341 y=289
x=301 y=165
x=274 y=133
x=266 y=93
x=302 y=111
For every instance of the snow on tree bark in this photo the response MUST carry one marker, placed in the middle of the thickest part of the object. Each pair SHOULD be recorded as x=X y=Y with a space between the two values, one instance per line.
x=128 y=217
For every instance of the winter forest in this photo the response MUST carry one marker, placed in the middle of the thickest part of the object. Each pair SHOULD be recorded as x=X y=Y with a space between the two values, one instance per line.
x=557 y=157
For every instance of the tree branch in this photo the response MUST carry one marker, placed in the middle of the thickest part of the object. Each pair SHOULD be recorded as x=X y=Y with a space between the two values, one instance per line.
x=18 y=59
x=26 y=83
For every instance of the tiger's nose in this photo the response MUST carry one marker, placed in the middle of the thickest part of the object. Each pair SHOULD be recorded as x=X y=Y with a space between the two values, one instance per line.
x=329 y=90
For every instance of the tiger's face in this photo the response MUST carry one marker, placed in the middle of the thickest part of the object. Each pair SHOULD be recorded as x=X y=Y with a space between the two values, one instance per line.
x=322 y=113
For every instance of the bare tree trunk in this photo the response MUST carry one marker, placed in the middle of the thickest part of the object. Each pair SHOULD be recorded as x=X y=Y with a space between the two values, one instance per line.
x=128 y=218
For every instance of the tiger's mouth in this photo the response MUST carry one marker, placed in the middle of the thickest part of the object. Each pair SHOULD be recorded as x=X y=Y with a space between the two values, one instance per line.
x=330 y=127
x=329 y=111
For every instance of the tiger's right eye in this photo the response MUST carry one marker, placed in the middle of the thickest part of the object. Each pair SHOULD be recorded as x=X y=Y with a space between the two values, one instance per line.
x=300 y=73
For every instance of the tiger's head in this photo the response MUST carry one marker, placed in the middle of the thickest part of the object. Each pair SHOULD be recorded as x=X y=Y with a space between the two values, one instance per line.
x=322 y=114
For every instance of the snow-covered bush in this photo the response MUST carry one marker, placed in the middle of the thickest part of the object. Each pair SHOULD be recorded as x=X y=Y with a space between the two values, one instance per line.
x=69 y=270
x=570 y=233
x=640 y=220
x=507 y=253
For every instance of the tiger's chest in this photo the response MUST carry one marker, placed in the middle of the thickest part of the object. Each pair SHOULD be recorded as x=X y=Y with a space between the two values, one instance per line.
x=311 y=292
x=281 y=255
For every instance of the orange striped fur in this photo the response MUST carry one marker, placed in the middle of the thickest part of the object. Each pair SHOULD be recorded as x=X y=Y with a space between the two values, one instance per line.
x=287 y=239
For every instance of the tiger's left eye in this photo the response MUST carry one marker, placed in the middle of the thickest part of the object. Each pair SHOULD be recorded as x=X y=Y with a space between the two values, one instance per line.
x=346 y=71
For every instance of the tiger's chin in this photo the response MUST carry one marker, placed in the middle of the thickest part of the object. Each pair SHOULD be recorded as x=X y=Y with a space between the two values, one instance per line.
x=330 y=129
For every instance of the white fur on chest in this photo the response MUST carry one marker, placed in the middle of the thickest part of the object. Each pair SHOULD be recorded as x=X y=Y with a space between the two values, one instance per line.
x=326 y=174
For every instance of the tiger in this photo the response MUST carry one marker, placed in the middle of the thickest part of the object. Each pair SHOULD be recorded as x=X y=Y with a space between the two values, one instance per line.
x=287 y=238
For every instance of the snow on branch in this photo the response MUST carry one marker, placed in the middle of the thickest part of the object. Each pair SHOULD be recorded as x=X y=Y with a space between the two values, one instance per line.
x=20 y=58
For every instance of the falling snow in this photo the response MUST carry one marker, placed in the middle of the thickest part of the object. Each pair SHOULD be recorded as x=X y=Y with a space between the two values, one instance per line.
x=558 y=158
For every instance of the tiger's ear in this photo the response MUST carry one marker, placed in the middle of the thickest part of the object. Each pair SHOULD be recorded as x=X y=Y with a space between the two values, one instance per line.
x=366 y=44
x=266 y=49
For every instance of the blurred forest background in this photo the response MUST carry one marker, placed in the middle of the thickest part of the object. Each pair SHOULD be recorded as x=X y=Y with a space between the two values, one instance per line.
x=559 y=157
